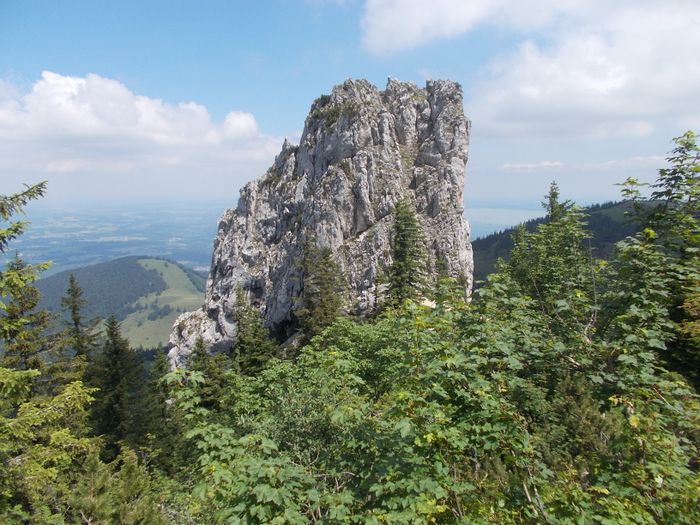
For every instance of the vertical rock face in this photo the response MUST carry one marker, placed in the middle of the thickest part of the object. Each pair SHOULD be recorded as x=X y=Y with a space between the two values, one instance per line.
x=362 y=151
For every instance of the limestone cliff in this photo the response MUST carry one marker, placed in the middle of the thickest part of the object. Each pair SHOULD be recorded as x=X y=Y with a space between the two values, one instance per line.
x=361 y=151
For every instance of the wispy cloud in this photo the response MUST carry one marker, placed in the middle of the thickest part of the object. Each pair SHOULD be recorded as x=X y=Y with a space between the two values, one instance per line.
x=651 y=162
x=527 y=166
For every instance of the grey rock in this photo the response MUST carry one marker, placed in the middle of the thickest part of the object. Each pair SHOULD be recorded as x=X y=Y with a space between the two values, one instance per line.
x=362 y=150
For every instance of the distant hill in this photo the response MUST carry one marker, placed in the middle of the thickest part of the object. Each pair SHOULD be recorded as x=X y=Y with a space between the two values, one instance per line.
x=146 y=294
x=606 y=222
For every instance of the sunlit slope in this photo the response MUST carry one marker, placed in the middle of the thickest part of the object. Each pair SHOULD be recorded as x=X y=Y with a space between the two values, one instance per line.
x=146 y=294
x=150 y=325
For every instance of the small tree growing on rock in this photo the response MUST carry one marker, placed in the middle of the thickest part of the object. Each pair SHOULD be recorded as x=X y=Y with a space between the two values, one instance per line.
x=322 y=289
x=407 y=273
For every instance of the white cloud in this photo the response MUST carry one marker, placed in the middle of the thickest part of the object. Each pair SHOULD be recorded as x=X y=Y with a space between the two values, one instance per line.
x=94 y=133
x=622 y=75
x=240 y=125
x=590 y=68
x=7 y=92
x=648 y=164
x=392 y=25
x=520 y=166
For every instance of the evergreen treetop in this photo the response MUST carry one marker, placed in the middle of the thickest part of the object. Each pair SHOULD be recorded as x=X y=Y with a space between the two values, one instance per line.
x=83 y=336
x=323 y=287
x=253 y=346
x=407 y=273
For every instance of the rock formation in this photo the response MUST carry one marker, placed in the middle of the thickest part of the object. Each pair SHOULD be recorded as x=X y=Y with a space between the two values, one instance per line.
x=361 y=151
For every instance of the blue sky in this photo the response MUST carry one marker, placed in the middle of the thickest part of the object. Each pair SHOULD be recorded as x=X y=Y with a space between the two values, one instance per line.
x=181 y=100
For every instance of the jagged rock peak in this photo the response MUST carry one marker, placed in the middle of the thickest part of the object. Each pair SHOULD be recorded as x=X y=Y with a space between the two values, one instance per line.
x=362 y=150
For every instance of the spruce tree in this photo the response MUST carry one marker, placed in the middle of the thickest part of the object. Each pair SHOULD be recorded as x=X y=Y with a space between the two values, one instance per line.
x=120 y=492
x=160 y=426
x=322 y=289
x=42 y=436
x=253 y=346
x=553 y=266
x=214 y=368
x=11 y=205
x=118 y=408
x=407 y=272
x=21 y=327
x=81 y=333
x=24 y=326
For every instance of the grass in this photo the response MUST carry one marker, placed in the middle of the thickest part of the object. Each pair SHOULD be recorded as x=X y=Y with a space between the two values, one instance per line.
x=181 y=295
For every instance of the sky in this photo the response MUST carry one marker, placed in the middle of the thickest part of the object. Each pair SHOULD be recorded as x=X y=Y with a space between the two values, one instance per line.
x=183 y=100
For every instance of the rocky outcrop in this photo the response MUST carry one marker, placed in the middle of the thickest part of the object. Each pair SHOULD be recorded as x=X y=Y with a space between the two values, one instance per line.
x=362 y=150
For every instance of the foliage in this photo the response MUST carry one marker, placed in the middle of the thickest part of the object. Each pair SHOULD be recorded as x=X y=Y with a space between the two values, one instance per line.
x=214 y=368
x=330 y=112
x=82 y=333
x=253 y=346
x=22 y=327
x=322 y=289
x=46 y=452
x=481 y=418
x=553 y=267
x=606 y=223
x=118 y=492
x=545 y=400
x=11 y=205
x=407 y=271
x=42 y=444
x=118 y=410
x=673 y=229
x=160 y=428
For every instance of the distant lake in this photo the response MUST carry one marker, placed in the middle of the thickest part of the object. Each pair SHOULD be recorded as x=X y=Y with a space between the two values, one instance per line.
x=484 y=221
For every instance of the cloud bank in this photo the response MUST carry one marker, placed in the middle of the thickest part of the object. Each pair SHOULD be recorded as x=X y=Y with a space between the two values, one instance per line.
x=93 y=133
x=587 y=69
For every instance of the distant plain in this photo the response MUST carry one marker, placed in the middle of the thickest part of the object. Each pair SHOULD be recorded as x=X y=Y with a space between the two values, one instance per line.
x=72 y=237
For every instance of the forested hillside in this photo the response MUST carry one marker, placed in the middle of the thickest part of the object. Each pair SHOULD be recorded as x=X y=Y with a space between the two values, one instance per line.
x=606 y=224
x=565 y=392
x=144 y=293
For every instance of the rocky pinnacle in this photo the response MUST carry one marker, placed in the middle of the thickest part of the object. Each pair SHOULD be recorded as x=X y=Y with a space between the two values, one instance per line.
x=362 y=150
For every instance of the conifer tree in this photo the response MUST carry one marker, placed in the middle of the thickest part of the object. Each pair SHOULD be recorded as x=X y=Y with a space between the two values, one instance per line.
x=555 y=208
x=160 y=426
x=21 y=328
x=118 y=407
x=253 y=346
x=214 y=368
x=11 y=205
x=322 y=289
x=407 y=272
x=42 y=433
x=24 y=336
x=120 y=492
x=82 y=335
